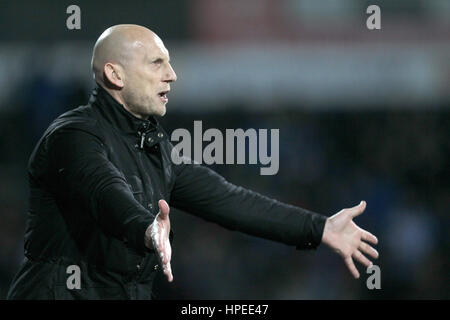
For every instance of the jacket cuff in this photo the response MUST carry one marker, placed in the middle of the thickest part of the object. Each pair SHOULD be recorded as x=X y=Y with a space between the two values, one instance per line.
x=314 y=232
x=135 y=234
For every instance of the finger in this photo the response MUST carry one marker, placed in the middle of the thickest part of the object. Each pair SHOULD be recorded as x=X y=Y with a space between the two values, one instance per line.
x=165 y=251
x=158 y=247
x=367 y=249
x=351 y=267
x=168 y=252
x=357 y=210
x=157 y=240
x=162 y=247
x=168 y=272
x=162 y=256
x=367 y=236
x=163 y=209
x=154 y=233
x=362 y=259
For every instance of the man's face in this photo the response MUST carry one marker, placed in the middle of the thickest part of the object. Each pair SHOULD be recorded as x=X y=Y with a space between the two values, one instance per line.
x=147 y=78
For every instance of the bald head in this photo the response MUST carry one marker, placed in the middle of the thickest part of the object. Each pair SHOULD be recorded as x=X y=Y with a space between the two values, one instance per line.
x=118 y=44
x=132 y=63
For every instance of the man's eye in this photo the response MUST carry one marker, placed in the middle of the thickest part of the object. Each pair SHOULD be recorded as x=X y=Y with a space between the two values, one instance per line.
x=157 y=61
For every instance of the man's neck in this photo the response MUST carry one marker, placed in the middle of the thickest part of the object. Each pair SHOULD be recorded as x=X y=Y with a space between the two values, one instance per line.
x=118 y=97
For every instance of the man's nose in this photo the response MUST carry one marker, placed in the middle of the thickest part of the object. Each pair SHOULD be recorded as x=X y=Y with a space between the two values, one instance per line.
x=171 y=76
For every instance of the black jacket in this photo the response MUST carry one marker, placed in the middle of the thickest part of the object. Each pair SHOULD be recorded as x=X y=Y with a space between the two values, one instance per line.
x=95 y=179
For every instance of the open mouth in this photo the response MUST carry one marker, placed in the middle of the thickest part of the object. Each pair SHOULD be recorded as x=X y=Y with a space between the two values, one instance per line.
x=163 y=93
x=163 y=96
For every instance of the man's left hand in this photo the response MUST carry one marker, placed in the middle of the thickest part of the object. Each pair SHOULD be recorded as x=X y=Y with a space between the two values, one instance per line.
x=348 y=240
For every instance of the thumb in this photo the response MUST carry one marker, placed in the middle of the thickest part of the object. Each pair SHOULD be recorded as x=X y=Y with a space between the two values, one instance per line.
x=357 y=210
x=163 y=209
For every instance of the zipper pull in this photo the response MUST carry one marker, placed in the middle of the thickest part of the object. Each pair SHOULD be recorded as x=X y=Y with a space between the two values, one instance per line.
x=142 y=140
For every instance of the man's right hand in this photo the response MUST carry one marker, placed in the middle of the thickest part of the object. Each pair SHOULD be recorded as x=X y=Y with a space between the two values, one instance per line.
x=157 y=237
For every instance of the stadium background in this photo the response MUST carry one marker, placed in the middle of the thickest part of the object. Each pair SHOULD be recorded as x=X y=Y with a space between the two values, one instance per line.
x=362 y=115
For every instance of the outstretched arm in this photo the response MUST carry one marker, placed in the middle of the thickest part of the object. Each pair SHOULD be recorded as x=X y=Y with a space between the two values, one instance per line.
x=204 y=193
x=348 y=240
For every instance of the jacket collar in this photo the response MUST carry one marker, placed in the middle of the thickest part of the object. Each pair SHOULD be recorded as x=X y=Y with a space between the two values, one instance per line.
x=120 y=118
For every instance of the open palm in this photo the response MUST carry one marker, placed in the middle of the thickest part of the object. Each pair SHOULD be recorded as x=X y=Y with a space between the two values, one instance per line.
x=348 y=240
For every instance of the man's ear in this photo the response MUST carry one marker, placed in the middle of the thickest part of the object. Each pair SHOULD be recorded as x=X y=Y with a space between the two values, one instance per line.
x=113 y=74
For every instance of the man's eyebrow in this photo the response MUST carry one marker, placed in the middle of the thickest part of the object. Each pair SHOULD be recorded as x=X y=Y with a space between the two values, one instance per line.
x=156 y=58
x=159 y=59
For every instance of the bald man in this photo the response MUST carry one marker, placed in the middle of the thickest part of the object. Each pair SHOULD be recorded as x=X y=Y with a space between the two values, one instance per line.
x=101 y=180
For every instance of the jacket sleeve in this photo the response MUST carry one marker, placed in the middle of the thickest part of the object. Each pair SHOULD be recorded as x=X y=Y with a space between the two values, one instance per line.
x=83 y=175
x=204 y=193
